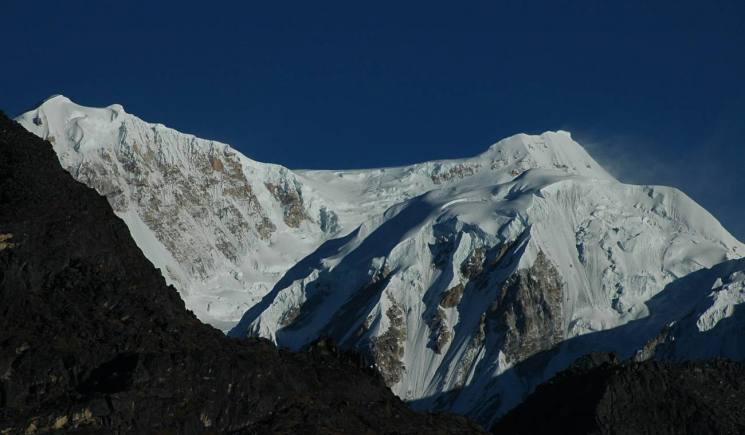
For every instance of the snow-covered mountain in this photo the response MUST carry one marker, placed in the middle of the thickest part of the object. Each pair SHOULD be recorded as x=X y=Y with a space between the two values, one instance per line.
x=469 y=295
x=466 y=282
x=221 y=227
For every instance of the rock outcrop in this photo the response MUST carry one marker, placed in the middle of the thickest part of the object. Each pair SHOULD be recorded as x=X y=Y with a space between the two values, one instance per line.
x=527 y=313
x=92 y=339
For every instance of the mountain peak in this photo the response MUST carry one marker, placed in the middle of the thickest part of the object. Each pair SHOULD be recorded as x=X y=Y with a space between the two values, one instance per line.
x=550 y=150
x=58 y=116
x=59 y=119
x=59 y=102
x=55 y=98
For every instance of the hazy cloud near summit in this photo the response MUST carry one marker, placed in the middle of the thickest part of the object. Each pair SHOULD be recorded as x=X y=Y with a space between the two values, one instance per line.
x=711 y=172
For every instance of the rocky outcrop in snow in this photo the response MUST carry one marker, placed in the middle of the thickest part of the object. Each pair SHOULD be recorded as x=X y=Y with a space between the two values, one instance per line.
x=528 y=312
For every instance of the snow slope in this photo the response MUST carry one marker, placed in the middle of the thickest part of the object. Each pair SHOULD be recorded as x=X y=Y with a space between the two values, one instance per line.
x=465 y=282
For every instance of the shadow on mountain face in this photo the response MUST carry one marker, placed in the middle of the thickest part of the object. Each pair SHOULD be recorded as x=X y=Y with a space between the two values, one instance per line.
x=92 y=339
x=726 y=338
x=353 y=265
x=499 y=394
x=676 y=301
x=301 y=269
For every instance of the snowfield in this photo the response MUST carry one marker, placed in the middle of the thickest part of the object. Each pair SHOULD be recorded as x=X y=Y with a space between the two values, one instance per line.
x=465 y=282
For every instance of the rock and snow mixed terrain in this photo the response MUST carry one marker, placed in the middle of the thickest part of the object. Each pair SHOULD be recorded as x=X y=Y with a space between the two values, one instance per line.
x=467 y=282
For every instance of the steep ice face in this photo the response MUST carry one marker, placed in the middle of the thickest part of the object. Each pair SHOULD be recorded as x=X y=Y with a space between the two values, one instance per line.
x=465 y=282
x=221 y=227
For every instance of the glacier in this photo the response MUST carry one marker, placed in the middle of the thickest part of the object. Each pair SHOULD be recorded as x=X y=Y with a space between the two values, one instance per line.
x=466 y=282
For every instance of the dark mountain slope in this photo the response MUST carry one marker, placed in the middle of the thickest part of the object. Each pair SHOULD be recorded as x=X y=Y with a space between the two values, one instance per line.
x=604 y=397
x=91 y=337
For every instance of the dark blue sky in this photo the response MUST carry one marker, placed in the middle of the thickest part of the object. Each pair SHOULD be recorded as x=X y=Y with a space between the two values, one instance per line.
x=655 y=92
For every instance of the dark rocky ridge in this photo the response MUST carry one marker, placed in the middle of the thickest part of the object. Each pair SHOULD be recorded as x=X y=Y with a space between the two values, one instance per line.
x=600 y=396
x=93 y=340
